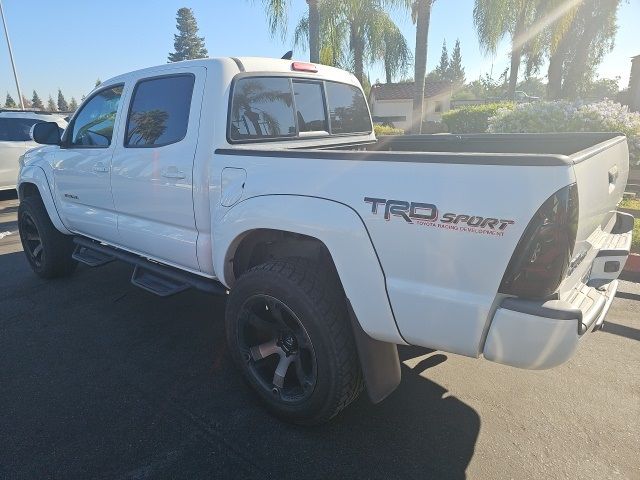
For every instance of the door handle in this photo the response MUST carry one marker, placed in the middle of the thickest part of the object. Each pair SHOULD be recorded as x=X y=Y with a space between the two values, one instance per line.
x=172 y=172
x=100 y=168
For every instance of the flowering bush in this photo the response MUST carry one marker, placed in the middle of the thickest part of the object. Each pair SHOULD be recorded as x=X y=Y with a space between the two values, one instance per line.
x=386 y=130
x=563 y=116
x=474 y=118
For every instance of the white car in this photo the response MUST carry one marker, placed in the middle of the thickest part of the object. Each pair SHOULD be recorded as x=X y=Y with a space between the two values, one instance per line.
x=15 y=126
x=263 y=178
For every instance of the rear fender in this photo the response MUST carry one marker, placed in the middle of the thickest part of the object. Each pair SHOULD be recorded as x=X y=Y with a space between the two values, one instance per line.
x=338 y=227
x=35 y=175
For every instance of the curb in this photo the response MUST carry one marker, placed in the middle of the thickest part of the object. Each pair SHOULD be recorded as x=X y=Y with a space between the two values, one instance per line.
x=633 y=263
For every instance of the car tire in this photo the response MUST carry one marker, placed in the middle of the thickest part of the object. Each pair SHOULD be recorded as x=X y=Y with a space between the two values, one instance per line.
x=48 y=251
x=299 y=299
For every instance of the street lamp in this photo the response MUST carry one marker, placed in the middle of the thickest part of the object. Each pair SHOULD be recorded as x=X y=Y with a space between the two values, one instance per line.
x=13 y=65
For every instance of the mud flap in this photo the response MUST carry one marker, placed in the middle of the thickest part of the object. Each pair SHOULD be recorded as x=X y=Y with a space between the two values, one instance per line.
x=379 y=362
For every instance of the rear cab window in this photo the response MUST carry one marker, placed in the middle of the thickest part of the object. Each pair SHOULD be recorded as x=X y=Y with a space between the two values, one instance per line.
x=280 y=108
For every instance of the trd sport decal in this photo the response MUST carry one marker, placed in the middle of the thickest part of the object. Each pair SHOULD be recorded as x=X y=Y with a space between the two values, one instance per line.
x=427 y=214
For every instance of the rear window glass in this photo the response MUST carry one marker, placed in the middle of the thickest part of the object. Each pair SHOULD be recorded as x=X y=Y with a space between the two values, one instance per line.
x=310 y=107
x=262 y=108
x=347 y=109
x=159 y=111
x=16 y=129
x=281 y=107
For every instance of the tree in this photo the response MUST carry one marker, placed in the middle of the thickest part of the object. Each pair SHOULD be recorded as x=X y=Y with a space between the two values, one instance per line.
x=51 y=105
x=594 y=29
x=314 y=31
x=26 y=102
x=533 y=86
x=455 y=72
x=63 y=106
x=602 y=88
x=395 y=53
x=187 y=44
x=9 y=102
x=73 y=105
x=355 y=33
x=442 y=70
x=36 y=102
x=98 y=83
x=495 y=19
x=421 y=16
x=276 y=12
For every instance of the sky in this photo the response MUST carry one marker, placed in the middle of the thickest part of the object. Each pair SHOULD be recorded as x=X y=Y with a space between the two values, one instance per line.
x=68 y=44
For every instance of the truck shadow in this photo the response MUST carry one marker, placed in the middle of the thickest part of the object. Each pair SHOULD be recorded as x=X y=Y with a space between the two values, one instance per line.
x=122 y=382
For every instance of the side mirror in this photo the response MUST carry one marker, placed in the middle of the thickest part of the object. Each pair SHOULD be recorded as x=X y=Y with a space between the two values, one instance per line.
x=46 y=133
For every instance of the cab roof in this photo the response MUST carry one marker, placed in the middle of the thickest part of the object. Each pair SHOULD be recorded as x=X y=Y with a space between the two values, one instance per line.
x=236 y=65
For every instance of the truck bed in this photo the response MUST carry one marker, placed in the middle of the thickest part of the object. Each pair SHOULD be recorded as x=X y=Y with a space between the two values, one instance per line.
x=442 y=279
x=567 y=144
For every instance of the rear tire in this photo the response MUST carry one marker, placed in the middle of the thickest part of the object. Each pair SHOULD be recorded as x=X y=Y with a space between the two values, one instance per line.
x=48 y=251
x=296 y=313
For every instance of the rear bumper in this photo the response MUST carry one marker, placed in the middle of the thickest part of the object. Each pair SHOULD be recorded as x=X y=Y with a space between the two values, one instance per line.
x=539 y=334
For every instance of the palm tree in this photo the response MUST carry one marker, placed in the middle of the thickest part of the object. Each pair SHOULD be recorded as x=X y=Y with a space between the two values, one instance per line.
x=355 y=33
x=421 y=16
x=277 y=18
x=494 y=19
x=395 y=53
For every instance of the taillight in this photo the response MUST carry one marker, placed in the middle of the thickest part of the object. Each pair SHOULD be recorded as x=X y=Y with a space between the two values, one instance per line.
x=541 y=259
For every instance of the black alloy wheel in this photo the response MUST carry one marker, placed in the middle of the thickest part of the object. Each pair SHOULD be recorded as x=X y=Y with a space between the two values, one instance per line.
x=277 y=349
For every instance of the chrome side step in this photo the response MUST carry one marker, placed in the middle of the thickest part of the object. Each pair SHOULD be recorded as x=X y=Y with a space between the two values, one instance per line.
x=152 y=276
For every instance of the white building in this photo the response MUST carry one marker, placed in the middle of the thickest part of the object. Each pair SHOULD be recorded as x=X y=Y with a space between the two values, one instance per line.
x=392 y=103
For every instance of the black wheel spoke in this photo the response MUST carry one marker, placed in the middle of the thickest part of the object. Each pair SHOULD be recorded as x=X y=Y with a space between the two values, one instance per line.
x=260 y=321
x=276 y=312
x=272 y=341
x=302 y=377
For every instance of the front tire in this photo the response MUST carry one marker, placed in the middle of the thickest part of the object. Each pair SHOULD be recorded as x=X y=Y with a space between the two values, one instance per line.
x=48 y=251
x=288 y=331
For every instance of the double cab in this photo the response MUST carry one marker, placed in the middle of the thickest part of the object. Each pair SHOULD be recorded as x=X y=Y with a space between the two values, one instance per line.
x=263 y=180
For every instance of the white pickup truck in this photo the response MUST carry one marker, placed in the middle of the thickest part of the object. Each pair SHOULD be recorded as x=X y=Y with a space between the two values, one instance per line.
x=262 y=179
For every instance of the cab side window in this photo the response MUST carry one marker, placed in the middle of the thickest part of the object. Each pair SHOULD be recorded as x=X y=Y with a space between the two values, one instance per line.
x=159 y=112
x=93 y=126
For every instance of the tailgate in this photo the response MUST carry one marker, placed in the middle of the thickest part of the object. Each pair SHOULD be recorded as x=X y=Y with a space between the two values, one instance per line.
x=601 y=175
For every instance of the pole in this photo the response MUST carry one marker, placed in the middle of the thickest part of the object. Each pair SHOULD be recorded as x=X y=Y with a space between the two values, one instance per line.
x=13 y=65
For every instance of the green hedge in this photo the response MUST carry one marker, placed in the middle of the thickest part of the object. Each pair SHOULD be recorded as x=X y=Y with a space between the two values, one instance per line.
x=473 y=118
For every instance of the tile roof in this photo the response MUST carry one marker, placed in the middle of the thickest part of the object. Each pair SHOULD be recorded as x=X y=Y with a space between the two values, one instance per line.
x=404 y=91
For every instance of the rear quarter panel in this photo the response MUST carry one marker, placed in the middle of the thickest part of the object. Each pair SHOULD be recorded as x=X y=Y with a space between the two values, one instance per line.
x=442 y=283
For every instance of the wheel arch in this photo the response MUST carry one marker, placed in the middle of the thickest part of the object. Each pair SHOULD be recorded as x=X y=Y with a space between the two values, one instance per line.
x=313 y=225
x=34 y=182
x=278 y=226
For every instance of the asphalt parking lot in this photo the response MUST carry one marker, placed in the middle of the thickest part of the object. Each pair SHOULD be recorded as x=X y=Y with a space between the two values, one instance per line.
x=99 y=379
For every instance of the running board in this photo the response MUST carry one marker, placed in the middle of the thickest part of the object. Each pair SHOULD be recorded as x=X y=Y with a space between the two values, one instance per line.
x=91 y=257
x=158 y=284
x=152 y=276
